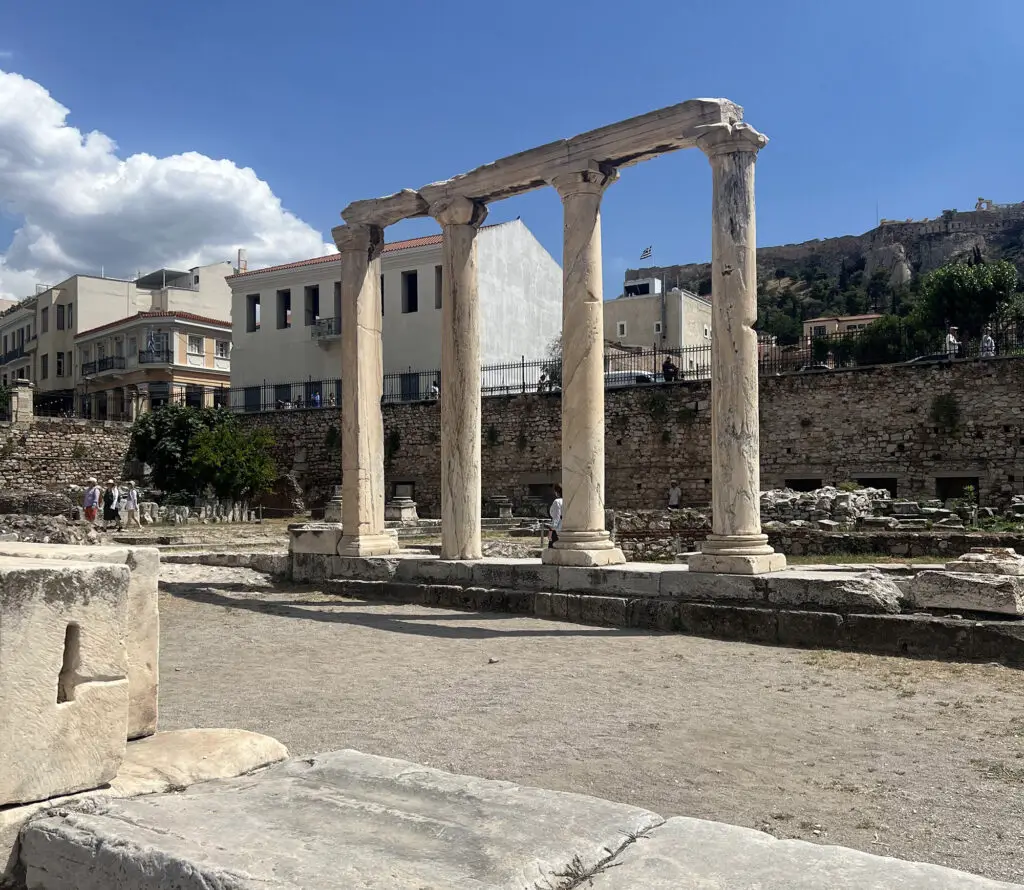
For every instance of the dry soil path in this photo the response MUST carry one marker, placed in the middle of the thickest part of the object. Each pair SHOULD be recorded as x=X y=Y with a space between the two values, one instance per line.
x=914 y=759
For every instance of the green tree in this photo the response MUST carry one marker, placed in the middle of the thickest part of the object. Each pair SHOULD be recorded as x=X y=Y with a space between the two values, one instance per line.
x=819 y=350
x=233 y=462
x=965 y=295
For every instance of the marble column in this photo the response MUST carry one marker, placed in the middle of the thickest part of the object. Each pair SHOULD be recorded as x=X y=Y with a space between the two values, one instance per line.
x=583 y=539
x=460 y=219
x=735 y=544
x=362 y=384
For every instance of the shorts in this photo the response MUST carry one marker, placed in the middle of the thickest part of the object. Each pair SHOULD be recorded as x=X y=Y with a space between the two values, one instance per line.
x=90 y=514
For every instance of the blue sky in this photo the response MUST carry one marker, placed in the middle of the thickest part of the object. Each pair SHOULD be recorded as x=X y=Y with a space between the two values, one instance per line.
x=911 y=105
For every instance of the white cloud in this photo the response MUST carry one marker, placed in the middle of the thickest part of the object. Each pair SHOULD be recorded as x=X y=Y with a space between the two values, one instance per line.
x=80 y=207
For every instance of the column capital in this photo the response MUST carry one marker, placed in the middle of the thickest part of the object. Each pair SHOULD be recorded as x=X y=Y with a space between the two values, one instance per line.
x=361 y=238
x=459 y=211
x=720 y=139
x=589 y=178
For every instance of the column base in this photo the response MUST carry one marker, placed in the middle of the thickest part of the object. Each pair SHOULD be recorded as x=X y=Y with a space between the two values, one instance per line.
x=737 y=555
x=367 y=545
x=583 y=548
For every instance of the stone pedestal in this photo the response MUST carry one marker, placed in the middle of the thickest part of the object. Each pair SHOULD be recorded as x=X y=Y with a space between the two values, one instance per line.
x=583 y=540
x=362 y=384
x=736 y=544
x=333 y=509
x=460 y=219
x=401 y=510
x=504 y=507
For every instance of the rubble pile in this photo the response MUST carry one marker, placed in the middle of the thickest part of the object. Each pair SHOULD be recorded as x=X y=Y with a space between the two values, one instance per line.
x=47 y=530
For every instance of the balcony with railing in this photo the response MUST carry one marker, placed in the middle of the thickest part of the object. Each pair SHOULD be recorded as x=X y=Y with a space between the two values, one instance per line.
x=107 y=363
x=12 y=355
x=325 y=329
x=156 y=356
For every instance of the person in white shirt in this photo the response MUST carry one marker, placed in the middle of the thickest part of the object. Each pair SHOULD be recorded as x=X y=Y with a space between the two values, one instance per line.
x=674 y=495
x=130 y=505
x=988 y=345
x=556 y=515
x=952 y=344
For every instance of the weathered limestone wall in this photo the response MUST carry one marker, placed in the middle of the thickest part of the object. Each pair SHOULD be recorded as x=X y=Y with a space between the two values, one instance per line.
x=867 y=423
x=53 y=453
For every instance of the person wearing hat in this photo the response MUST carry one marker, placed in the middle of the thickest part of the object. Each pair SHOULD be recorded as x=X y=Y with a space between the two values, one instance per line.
x=952 y=344
x=130 y=502
x=110 y=499
x=92 y=499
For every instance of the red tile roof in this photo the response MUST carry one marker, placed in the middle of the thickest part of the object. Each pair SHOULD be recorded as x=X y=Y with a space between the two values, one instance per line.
x=393 y=247
x=182 y=316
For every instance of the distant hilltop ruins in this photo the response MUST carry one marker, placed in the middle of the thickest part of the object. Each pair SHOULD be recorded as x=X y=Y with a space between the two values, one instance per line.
x=902 y=249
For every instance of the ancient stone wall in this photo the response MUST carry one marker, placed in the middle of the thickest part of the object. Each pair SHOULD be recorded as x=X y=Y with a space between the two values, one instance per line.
x=53 y=453
x=882 y=425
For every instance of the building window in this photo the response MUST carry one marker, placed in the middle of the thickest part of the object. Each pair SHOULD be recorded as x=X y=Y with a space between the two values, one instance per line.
x=119 y=347
x=133 y=345
x=707 y=332
x=312 y=305
x=657 y=327
x=101 y=351
x=223 y=348
x=337 y=302
x=252 y=313
x=71 y=316
x=86 y=353
x=195 y=345
x=410 y=292
x=438 y=284
x=195 y=279
x=818 y=330
x=45 y=316
x=284 y=309
x=620 y=329
x=60 y=317
x=381 y=296
x=5 y=344
x=44 y=366
x=60 y=364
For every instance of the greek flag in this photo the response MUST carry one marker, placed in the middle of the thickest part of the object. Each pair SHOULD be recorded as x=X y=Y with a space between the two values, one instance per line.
x=647 y=252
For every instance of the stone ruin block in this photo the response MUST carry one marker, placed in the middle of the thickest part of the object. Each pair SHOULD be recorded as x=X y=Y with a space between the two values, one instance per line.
x=63 y=677
x=143 y=628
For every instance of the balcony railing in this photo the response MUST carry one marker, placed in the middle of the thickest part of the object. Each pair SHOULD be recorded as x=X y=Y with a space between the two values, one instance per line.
x=13 y=354
x=107 y=363
x=325 y=327
x=155 y=356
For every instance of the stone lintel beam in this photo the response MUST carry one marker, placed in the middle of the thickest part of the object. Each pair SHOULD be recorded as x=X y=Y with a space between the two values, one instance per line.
x=621 y=144
x=386 y=211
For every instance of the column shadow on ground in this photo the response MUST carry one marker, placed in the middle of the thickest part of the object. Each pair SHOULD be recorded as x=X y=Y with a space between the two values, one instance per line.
x=342 y=612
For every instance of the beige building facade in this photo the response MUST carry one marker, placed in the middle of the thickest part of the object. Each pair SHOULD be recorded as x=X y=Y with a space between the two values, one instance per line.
x=39 y=335
x=829 y=326
x=645 y=317
x=292 y=312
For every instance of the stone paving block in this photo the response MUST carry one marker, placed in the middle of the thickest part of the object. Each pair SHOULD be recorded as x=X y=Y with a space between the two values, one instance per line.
x=679 y=582
x=435 y=571
x=143 y=620
x=839 y=591
x=690 y=854
x=340 y=820
x=918 y=635
x=63 y=676
x=975 y=592
x=493 y=572
x=609 y=611
x=532 y=574
x=159 y=763
x=746 y=623
x=818 y=630
x=368 y=568
x=632 y=579
x=998 y=641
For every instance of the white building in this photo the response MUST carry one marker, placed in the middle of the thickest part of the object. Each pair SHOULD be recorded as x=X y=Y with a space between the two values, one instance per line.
x=286 y=319
x=646 y=317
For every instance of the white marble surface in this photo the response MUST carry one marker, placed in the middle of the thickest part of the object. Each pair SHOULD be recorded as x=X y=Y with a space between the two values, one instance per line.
x=362 y=381
x=735 y=471
x=460 y=220
x=583 y=539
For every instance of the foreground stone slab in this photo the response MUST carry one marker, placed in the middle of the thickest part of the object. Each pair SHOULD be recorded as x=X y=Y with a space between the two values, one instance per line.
x=344 y=820
x=842 y=591
x=63 y=677
x=690 y=854
x=167 y=761
x=143 y=623
x=989 y=561
x=980 y=592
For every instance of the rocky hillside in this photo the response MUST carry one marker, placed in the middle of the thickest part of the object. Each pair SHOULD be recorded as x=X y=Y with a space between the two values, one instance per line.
x=876 y=271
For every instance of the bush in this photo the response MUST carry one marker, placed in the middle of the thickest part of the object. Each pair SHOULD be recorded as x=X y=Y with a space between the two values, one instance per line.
x=849 y=485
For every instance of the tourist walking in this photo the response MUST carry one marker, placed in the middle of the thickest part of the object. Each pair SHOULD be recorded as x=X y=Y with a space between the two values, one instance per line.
x=130 y=502
x=556 y=515
x=91 y=503
x=110 y=498
x=988 y=345
x=675 y=493
x=952 y=344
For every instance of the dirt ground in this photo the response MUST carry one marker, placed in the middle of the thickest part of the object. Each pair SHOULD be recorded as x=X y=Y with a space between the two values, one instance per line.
x=913 y=759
